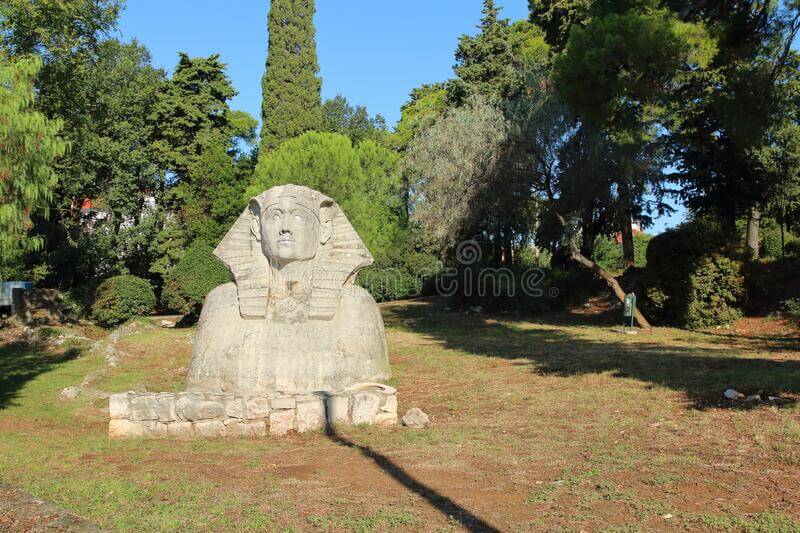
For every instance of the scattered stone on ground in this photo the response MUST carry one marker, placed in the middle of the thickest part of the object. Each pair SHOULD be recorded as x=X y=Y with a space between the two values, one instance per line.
x=19 y=511
x=167 y=324
x=477 y=309
x=70 y=393
x=732 y=394
x=416 y=418
x=131 y=328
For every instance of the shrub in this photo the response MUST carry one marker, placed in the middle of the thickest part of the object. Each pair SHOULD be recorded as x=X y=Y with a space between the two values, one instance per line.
x=717 y=291
x=193 y=277
x=793 y=249
x=404 y=277
x=693 y=276
x=770 y=246
x=792 y=306
x=529 y=290
x=121 y=298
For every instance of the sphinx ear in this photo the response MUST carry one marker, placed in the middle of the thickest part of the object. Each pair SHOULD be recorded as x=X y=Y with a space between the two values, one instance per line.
x=255 y=219
x=325 y=231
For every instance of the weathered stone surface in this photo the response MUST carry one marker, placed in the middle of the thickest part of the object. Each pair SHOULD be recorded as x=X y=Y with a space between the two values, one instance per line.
x=237 y=428
x=166 y=408
x=144 y=407
x=70 y=393
x=180 y=429
x=193 y=408
x=118 y=405
x=365 y=407
x=185 y=414
x=210 y=428
x=415 y=418
x=385 y=419
x=310 y=415
x=284 y=402
x=120 y=428
x=256 y=407
x=389 y=404
x=324 y=334
x=281 y=422
x=234 y=408
x=338 y=407
x=156 y=430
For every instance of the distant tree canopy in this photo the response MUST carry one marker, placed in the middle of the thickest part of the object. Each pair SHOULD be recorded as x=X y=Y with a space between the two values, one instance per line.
x=362 y=178
x=291 y=87
x=354 y=122
x=199 y=142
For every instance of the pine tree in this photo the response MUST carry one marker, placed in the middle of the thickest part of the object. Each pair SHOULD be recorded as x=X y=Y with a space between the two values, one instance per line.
x=291 y=87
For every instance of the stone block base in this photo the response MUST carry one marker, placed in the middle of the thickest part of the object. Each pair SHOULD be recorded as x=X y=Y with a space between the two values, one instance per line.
x=190 y=414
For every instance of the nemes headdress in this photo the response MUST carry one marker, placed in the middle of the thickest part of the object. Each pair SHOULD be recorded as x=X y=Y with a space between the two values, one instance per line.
x=336 y=263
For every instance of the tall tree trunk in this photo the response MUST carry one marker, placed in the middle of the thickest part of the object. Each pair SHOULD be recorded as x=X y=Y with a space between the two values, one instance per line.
x=626 y=231
x=588 y=235
x=753 y=230
x=625 y=228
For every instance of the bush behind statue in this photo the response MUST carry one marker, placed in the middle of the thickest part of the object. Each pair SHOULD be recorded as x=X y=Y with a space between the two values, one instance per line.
x=193 y=277
x=121 y=298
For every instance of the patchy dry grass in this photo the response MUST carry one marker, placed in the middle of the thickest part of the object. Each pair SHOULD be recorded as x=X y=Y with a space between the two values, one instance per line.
x=537 y=425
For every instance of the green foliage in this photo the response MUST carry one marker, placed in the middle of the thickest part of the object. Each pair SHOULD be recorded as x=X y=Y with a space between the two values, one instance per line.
x=556 y=18
x=55 y=27
x=771 y=239
x=717 y=292
x=608 y=252
x=291 y=87
x=425 y=106
x=793 y=249
x=198 y=140
x=514 y=289
x=363 y=179
x=121 y=298
x=454 y=164
x=792 y=306
x=338 y=116
x=29 y=146
x=195 y=275
x=489 y=64
x=693 y=277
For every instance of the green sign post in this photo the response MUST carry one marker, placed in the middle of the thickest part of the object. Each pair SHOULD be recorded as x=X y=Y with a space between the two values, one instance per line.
x=629 y=309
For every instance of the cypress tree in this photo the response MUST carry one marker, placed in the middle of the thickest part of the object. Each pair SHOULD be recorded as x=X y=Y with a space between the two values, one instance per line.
x=291 y=87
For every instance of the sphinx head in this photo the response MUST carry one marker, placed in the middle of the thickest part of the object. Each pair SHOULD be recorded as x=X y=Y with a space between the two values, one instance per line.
x=290 y=222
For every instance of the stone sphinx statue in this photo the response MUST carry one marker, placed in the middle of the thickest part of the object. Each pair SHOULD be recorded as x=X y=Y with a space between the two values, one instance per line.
x=292 y=320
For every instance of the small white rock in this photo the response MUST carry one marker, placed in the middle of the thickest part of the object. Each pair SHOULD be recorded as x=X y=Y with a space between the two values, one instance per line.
x=734 y=395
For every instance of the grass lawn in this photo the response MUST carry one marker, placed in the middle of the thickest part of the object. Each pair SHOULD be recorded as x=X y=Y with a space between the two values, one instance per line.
x=541 y=424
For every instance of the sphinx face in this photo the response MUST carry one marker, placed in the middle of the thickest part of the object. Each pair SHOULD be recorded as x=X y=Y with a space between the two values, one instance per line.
x=289 y=232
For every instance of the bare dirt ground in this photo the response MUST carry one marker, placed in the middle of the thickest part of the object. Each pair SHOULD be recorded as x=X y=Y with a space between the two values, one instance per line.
x=538 y=424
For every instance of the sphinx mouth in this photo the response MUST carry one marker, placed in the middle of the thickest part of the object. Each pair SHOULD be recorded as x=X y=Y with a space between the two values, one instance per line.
x=286 y=240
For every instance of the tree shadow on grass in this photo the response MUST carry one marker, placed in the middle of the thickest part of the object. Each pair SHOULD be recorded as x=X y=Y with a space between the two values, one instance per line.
x=701 y=372
x=22 y=362
x=466 y=518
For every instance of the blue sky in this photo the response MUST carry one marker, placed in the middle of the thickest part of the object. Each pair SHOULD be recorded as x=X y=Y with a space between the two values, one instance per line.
x=371 y=51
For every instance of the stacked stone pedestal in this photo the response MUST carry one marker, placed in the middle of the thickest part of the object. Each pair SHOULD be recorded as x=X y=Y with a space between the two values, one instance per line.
x=189 y=414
